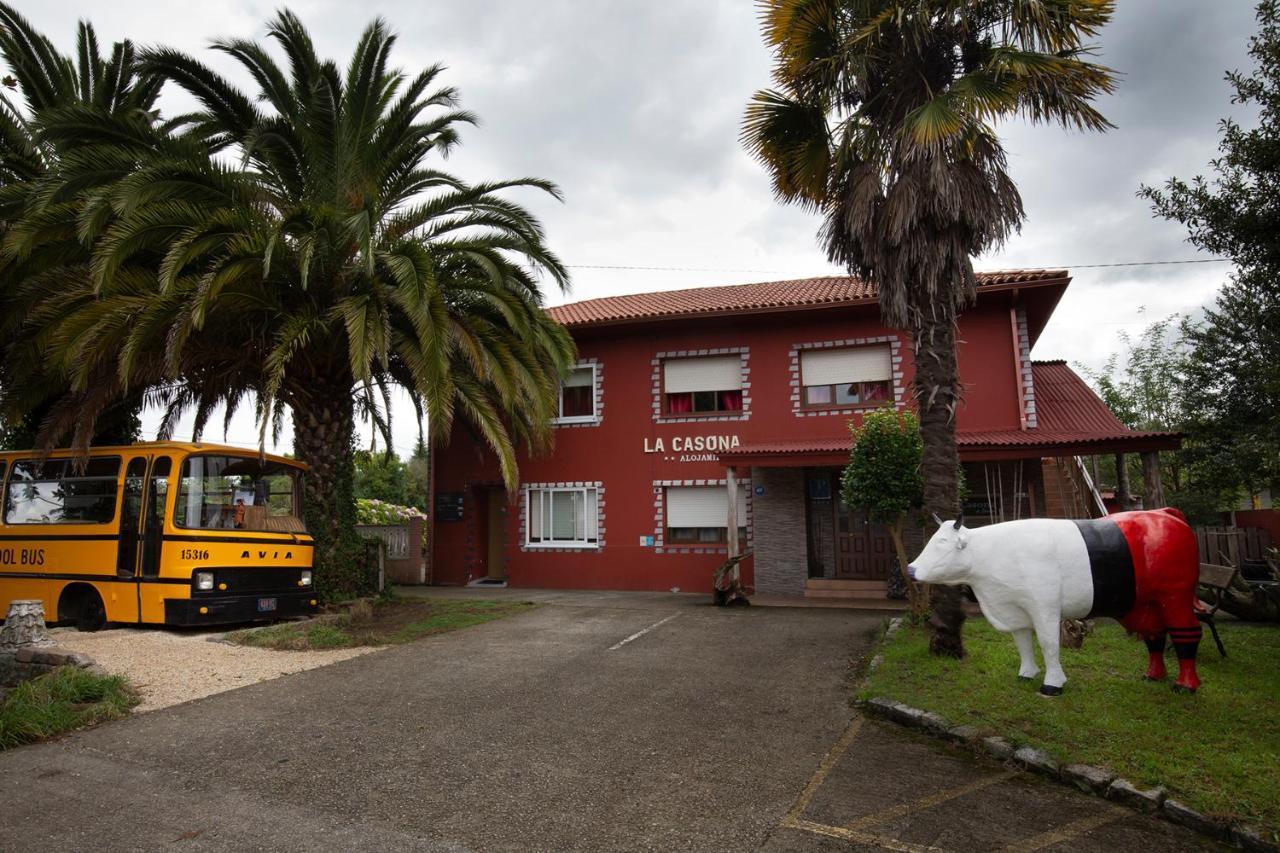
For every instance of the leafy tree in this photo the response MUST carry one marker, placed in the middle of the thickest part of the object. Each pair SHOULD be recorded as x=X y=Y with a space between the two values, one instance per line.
x=1148 y=385
x=1235 y=364
x=385 y=477
x=41 y=85
x=883 y=120
x=883 y=477
x=310 y=257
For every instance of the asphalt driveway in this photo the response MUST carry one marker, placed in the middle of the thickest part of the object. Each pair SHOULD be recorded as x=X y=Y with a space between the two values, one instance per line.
x=595 y=722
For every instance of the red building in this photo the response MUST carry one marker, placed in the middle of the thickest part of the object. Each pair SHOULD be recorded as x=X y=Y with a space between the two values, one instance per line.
x=677 y=393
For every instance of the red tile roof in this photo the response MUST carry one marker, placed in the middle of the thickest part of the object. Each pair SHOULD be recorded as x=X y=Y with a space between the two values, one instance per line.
x=1071 y=418
x=749 y=298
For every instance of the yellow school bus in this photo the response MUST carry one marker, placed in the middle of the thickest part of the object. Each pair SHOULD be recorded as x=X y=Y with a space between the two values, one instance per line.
x=156 y=533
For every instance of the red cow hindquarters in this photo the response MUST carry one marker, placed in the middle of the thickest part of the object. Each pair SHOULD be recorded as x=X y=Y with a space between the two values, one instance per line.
x=1166 y=567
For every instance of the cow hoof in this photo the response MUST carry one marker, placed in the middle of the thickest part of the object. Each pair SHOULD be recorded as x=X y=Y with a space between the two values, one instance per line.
x=1050 y=690
x=1026 y=678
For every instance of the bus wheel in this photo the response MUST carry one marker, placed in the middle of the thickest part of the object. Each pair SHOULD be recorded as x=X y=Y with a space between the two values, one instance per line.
x=82 y=604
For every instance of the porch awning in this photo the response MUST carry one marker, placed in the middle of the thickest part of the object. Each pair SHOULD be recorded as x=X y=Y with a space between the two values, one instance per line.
x=1071 y=421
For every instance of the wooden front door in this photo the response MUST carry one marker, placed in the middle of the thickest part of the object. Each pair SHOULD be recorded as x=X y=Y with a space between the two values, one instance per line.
x=864 y=550
x=496 y=540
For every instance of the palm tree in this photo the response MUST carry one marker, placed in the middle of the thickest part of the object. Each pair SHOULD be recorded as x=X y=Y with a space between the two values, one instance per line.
x=311 y=257
x=41 y=83
x=882 y=119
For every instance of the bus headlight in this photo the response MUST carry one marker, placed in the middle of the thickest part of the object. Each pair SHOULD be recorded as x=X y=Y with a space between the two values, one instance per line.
x=204 y=580
x=305 y=580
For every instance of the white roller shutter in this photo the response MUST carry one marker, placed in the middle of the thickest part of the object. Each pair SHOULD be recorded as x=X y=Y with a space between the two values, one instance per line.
x=712 y=373
x=703 y=506
x=580 y=377
x=841 y=366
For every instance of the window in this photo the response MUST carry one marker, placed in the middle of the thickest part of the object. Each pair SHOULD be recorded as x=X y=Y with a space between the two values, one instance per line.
x=858 y=377
x=578 y=396
x=699 y=515
x=237 y=492
x=52 y=492
x=563 y=518
x=703 y=385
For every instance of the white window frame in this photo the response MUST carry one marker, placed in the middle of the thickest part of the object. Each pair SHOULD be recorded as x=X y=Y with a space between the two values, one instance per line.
x=595 y=404
x=535 y=492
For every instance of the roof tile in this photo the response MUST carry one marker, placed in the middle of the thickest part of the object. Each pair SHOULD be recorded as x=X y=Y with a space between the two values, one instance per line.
x=798 y=293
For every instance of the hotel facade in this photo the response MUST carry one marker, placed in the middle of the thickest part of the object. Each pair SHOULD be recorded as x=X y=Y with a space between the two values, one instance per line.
x=681 y=399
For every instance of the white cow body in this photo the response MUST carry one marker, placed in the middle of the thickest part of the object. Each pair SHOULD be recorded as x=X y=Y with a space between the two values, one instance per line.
x=1027 y=576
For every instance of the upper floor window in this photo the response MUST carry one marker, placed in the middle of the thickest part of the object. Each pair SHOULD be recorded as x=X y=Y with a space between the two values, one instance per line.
x=578 y=395
x=702 y=385
x=852 y=377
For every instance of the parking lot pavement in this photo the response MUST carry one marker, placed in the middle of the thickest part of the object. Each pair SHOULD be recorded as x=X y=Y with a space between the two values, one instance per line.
x=591 y=723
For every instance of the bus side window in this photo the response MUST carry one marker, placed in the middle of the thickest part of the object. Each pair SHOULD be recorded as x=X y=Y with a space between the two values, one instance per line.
x=135 y=479
x=4 y=465
x=157 y=493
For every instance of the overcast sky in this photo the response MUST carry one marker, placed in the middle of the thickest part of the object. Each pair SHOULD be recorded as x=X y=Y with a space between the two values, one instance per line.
x=633 y=108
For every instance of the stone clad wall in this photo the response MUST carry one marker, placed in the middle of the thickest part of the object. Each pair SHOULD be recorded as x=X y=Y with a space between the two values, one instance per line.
x=781 y=553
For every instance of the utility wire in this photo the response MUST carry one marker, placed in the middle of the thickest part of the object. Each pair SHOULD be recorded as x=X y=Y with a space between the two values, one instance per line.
x=787 y=272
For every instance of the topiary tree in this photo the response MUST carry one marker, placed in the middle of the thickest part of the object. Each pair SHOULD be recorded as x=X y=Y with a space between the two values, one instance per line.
x=883 y=477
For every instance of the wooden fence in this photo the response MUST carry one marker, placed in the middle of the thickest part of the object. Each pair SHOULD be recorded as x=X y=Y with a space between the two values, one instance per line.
x=1230 y=545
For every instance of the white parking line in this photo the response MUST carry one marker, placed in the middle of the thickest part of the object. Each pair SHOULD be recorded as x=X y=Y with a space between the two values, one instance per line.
x=638 y=634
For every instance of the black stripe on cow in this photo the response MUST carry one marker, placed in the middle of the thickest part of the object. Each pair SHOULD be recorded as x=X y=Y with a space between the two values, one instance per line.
x=1111 y=565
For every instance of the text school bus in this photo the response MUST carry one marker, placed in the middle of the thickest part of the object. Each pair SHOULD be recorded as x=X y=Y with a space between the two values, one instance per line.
x=155 y=533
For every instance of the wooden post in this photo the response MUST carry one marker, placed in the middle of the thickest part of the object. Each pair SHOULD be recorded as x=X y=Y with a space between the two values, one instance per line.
x=1151 y=480
x=1124 y=497
x=731 y=480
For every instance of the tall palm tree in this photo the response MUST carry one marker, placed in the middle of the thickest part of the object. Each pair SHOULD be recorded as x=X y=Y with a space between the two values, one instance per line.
x=39 y=83
x=310 y=258
x=882 y=119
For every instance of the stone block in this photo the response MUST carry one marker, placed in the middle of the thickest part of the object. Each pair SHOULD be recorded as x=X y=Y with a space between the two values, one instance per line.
x=1037 y=760
x=934 y=723
x=51 y=657
x=1253 y=840
x=1180 y=814
x=1124 y=791
x=963 y=733
x=881 y=706
x=998 y=748
x=907 y=716
x=1086 y=777
x=80 y=659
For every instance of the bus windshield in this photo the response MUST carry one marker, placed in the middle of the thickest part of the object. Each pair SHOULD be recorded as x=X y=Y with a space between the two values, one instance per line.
x=237 y=492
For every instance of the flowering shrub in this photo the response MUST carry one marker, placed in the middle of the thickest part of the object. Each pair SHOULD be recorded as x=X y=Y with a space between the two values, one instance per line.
x=374 y=511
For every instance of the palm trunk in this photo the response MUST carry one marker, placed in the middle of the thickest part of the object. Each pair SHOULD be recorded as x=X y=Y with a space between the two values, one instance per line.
x=937 y=395
x=323 y=437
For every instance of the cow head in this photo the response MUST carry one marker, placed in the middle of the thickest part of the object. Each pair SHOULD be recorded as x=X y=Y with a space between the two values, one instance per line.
x=944 y=559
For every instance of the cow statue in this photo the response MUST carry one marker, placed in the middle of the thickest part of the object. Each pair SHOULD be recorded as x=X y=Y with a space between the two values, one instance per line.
x=1140 y=568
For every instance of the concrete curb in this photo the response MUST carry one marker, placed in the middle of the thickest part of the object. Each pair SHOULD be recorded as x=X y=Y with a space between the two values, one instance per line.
x=1098 y=781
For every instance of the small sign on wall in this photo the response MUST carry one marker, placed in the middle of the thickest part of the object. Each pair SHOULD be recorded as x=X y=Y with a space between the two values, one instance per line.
x=646 y=541
x=449 y=506
x=759 y=491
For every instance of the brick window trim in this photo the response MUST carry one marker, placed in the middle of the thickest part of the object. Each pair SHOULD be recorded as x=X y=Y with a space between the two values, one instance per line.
x=660 y=517
x=660 y=416
x=896 y=380
x=525 y=546
x=598 y=379
x=1024 y=369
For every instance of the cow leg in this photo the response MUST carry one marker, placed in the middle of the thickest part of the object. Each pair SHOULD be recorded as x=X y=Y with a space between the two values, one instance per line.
x=1155 y=656
x=1027 y=652
x=1184 y=629
x=1047 y=635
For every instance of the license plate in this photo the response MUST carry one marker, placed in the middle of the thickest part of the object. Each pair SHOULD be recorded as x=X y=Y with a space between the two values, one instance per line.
x=266 y=605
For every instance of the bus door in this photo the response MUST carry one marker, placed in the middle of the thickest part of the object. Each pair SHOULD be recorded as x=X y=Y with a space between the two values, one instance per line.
x=131 y=507
x=151 y=595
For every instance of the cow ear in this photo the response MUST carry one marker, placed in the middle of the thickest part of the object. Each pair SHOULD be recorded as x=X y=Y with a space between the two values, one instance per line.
x=937 y=520
x=960 y=521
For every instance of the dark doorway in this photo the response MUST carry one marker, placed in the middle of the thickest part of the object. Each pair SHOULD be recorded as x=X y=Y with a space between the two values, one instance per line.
x=492 y=540
x=843 y=542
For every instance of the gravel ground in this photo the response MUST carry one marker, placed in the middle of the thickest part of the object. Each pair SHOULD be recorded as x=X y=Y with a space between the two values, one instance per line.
x=171 y=667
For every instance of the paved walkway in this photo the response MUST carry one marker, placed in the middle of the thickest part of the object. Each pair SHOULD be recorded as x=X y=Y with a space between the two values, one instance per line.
x=595 y=722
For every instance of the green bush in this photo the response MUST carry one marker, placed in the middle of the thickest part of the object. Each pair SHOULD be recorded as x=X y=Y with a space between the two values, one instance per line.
x=64 y=700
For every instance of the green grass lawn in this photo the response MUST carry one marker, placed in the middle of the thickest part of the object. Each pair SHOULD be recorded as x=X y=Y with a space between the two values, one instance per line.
x=64 y=700
x=385 y=623
x=1218 y=750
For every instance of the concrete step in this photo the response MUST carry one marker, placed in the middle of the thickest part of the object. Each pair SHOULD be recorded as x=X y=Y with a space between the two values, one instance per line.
x=841 y=583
